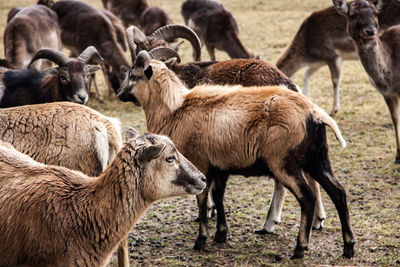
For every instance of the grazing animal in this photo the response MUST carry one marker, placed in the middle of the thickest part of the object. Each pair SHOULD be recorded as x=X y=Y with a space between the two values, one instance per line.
x=78 y=219
x=216 y=27
x=28 y=30
x=378 y=52
x=129 y=11
x=67 y=82
x=322 y=40
x=152 y=19
x=242 y=130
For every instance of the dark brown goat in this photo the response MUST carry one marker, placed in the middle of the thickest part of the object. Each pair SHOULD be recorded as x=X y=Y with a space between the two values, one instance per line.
x=28 y=30
x=68 y=82
x=83 y=25
x=216 y=27
x=152 y=19
x=129 y=11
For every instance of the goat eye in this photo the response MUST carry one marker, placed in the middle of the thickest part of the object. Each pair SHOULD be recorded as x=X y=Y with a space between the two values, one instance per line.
x=170 y=159
x=63 y=79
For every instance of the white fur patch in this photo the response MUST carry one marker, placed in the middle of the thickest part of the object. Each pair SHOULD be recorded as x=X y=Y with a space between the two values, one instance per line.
x=101 y=145
x=2 y=90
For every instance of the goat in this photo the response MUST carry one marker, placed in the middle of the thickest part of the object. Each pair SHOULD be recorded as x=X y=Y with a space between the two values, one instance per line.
x=378 y=53
x=78 y=219
x=247 y=72
x=322 y=40
x=162 y=37
x=68 y=82
x=65 y=134
x=81 y=24
x=28 y=30
x=265 y=130
x=216 y=27
x=129 y=11
x=152 y=19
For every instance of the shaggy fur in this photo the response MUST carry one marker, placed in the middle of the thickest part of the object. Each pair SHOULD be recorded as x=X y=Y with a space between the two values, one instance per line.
x=29 y=30
x=53 y=216
x=264 y=130
x=322 y=40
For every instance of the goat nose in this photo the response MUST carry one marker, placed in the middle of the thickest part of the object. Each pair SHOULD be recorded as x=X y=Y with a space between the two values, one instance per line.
x=369 y=32
x=82 y=98
x=203 y=178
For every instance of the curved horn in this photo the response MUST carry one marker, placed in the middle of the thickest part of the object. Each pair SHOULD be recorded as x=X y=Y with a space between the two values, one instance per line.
x=54 y=55
x=138 y=37
x=173 y=31
x=88 y=54
x=141 y=63
x=130 y=36
x=164 y=53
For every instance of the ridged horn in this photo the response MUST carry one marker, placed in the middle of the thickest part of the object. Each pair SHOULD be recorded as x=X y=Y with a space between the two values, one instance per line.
x=170 y=32
x=130 y=36
x=138 y=38
x=88 y=54
x=164 y=53
x=54 y=55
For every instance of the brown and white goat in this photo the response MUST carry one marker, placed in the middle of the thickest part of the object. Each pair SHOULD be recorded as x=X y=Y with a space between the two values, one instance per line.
x=378 y=52
x=78 y=219
x=28 y=30
x=67 y=82
x=322 y=40
x=264 y=130
x=216 y=27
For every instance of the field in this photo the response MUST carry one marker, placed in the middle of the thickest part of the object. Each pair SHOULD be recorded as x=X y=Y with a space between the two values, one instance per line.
x=165 y=235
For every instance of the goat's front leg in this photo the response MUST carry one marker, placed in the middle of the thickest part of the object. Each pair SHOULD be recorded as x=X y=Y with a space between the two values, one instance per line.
x=200 y=243
x=335 y=67
x=218 y=196
x=210 y=49
x=393 y=105
x=123 y=255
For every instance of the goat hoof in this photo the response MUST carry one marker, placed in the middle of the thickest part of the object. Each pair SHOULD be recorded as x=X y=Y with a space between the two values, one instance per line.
x=220 y=237
x=200 y=243
x=348 y=251
x=262 y=232
x=298 y=253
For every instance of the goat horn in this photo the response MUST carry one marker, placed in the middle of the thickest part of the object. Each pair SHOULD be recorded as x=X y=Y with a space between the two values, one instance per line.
x=130 y=36
x=56 y=56
x=164 y=53
x=88 y=54
x=170 y=32
x=141 y=63
x=136 y=36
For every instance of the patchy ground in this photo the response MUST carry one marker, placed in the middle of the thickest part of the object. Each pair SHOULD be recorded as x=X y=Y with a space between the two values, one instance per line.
x=166 y=234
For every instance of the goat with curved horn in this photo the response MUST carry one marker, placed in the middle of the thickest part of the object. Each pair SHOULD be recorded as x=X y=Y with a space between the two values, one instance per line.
x=130 y=36
x=170 y=32
x=54 y=55
x=88 y=54
x=164 y=53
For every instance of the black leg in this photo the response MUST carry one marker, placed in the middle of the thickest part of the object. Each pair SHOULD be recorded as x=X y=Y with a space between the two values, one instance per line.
x=218 y=196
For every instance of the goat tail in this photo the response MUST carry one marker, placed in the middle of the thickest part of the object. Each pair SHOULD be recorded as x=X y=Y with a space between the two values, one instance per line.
x=321 y=116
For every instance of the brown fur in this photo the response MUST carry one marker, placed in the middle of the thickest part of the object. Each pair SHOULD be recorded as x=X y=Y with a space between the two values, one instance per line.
x=29 y=30
x=321 y=40
x=248 y=124
x=129 y=11
x=152 y=19
x=378 y=54
x=53 y=216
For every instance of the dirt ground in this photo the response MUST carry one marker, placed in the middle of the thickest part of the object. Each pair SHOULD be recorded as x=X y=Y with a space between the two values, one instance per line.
x=166 y=233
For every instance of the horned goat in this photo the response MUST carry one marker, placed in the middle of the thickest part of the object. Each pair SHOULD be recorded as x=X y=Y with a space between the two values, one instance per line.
x=378 y=52
x=78 y=219
x=67 y=83
x=81 y=24
x=216 y=27
x=247 y=72
x=28 y=30
x=266 y=130
x=322 y=40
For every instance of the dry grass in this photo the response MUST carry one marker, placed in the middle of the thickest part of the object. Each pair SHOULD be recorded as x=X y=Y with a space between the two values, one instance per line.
x=165 y=235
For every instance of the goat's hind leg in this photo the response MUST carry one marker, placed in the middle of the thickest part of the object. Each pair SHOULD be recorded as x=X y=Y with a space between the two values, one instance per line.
x=218 y=196
x=319 y=213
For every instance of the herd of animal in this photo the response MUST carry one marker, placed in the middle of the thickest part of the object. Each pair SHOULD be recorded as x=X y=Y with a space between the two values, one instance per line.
x=71 y=190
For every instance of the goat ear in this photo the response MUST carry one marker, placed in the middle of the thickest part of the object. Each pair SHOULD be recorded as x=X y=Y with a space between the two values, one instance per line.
x=151 y=152
x=130 y=133
x=380 y=4
x=93 y=68
x=171 y=62
x=148 y=72
x=341 y=6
